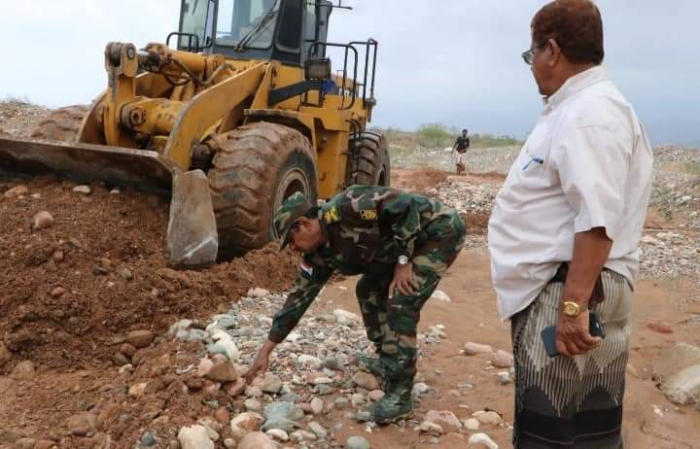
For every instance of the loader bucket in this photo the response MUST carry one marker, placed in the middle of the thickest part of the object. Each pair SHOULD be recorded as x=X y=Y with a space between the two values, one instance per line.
x=145 y=170
x=191 y=236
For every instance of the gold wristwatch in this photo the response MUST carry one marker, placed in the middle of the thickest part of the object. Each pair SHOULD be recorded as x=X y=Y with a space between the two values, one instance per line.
x=573 y=309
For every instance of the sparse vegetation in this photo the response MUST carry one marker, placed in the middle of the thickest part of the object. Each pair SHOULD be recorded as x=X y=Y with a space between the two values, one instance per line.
x=692 y=168
x=434 y=136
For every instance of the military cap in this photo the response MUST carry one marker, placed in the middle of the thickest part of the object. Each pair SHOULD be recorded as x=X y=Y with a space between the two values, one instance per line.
x=287 y=215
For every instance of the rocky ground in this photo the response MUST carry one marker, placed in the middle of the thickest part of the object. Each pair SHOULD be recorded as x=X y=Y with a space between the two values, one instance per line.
x=102 y=345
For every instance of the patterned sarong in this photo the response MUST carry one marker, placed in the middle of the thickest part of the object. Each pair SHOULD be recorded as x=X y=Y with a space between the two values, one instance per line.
x=572 y=403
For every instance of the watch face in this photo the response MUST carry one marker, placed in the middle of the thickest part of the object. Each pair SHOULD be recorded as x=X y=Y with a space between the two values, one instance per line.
x=571 y=308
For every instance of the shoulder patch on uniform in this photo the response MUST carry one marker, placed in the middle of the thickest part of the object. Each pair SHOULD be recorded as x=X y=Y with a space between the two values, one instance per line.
x=368 y=214
x=331 y=215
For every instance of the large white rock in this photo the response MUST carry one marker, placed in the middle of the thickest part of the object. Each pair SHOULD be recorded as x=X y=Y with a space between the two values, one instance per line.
x=84 y=189
x=278 y=434
x=16 y=191
x=194 y=437
x=471 y=348
x=441 y=296
x=42 y=220
x=225 y=342
x=345 y=317
x=471 y=424
x=257 y=440
x=430 y=428
x=445 y=418
x=676 y=359
x=222 y=371
x=482 y=438
x=683 y=387
x=357 y=442
x=246 y=423
x=488 y=418
x=366 y=381
x=192 y=237
x=306 y=361
x=258 y=292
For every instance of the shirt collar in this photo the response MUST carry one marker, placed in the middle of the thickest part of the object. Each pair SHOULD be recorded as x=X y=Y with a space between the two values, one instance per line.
x=574 y=85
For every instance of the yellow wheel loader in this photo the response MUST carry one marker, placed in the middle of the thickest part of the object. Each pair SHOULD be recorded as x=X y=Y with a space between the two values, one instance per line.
x=246 y=103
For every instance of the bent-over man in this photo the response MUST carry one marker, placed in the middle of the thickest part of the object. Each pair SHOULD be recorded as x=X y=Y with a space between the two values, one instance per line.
x=401 y=243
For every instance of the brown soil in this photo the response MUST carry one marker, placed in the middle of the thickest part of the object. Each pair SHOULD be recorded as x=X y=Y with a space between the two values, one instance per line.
x=422 y=180
x=92 y=241
x=71 y=338
x=471 y=316
x=419 y=180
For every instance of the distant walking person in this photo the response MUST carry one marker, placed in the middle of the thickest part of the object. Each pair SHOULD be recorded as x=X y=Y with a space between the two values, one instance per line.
x=459 y=151
x=564 y=237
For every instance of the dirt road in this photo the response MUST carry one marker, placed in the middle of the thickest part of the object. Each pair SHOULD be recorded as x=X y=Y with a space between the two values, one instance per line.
x=471 y=316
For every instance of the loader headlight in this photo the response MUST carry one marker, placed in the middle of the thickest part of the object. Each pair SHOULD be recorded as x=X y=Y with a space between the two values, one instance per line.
x=317 y=69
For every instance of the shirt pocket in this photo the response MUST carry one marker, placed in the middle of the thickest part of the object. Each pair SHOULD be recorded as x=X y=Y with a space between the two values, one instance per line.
x=535 y=154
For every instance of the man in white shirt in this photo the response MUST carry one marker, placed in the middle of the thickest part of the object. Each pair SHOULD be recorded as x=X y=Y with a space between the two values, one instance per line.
x=564 y=235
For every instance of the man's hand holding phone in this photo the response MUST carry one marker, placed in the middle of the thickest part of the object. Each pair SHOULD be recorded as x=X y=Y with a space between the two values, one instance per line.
x=573 y=335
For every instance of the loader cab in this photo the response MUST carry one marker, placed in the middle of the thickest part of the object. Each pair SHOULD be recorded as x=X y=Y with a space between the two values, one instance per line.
x=280 y=30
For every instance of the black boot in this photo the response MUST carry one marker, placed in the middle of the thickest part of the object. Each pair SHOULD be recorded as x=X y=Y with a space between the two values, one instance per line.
x=371 y=364
x=396 y=403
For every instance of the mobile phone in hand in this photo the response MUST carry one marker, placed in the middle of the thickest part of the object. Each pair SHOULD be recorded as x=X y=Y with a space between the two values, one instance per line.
x=548 y=335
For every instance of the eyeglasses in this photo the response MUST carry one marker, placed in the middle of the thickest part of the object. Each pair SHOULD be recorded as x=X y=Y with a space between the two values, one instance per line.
x=529 y=55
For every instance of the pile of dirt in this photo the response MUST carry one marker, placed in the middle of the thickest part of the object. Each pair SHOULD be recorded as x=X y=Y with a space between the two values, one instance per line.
x=101 y=270
x=19 y=118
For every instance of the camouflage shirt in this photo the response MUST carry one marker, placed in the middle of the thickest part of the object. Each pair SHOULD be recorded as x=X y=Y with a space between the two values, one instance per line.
x=368 y=228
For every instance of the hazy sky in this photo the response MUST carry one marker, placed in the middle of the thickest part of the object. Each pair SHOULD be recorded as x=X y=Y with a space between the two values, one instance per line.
x=455 y=62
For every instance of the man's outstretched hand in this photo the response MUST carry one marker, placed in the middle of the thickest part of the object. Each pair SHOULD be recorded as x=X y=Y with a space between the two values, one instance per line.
x=261 y=362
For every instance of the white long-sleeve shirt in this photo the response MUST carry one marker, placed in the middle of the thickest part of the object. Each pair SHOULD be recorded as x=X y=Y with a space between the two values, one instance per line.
x=586 y=164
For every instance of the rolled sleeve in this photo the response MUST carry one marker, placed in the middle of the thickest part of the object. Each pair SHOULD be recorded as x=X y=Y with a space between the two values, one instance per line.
x=593 y=166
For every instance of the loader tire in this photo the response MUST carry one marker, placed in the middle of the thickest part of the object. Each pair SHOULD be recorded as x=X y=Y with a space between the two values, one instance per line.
x=370 y=166
x=256 y=168
x=62 y=124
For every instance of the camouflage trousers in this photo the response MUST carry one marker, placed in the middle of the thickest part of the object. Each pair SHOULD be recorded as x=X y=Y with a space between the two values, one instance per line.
x=392 y=323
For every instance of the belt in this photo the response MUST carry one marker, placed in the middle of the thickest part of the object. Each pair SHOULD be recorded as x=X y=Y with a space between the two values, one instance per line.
x=597 y=295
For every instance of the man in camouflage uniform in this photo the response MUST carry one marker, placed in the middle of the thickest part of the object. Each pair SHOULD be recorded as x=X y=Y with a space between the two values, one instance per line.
x=401 y=243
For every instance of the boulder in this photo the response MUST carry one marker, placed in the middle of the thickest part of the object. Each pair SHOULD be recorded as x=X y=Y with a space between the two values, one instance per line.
x=683 y=387
x=194 y=437
x=24 y=371
x=192 y=237
x=445 y=418
x=222 y=371
x=42 y=220
x=257 y=440
x=482 y=439
x=245 y=423
x=357 y=442
x=674 y=360
x=502 y=359
x=20 y=190
x=471 y=348
x=83 y=424
x=440 y=296
x=140 y=338
x=488 y=418
x=431 y=428
x=258 y=292
x=366 y=381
